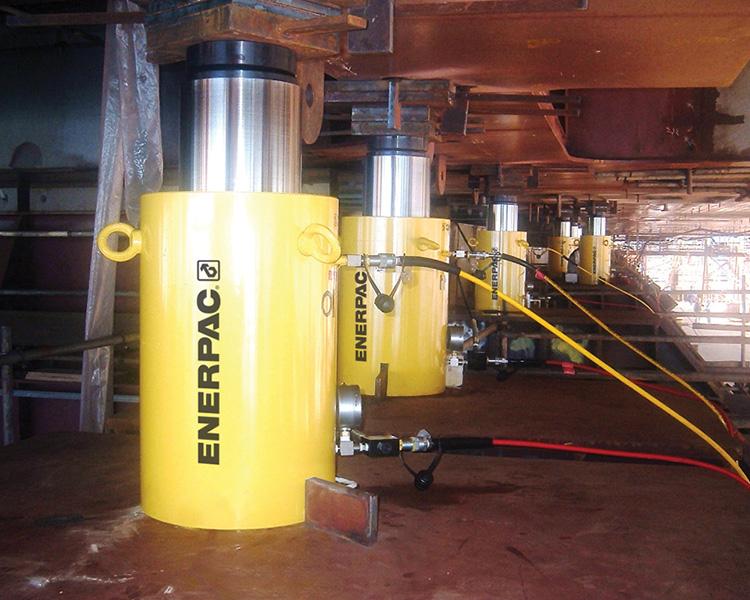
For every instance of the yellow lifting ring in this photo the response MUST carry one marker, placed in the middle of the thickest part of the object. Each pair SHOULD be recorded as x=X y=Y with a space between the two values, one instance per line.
x=321 y=243
x=135 y=241
x=424 y=244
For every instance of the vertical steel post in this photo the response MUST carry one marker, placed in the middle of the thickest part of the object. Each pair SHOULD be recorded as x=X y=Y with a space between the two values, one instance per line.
x=704 y=279
x=9 y=409
x=743 y=307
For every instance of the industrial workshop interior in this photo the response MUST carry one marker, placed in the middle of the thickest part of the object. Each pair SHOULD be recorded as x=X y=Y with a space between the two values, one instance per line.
x=375 y=299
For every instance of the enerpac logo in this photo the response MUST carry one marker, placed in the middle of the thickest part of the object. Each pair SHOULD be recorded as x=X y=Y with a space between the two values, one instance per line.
x=209 y=270
x=360 y=316
x=208 y=302
x=495 y=274
x=594 y=259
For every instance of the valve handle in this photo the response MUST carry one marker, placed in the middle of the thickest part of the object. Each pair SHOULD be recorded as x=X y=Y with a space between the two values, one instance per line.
x=135 y=241
x=321 y=243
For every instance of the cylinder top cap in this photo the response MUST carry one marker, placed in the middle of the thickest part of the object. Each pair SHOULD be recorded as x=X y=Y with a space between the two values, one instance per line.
x=504 y=199
x=502 y=216
x=597 y=225
x=240 y=55
x=396 y=144
x=564 y=227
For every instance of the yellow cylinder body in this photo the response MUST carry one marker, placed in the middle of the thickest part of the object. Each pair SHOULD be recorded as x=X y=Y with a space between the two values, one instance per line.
x=596 y=257
x=412 y=338
x=510 y=278
x=237 y=357
x=565 y=245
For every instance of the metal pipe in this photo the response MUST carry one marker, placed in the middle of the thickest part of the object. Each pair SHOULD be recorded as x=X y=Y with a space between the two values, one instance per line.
x=673 y=339
x=737 y=376
x=527 y=98
x=743 y=308
x=75 y=19
x=737 y=292
x=241 y=119
x=12 y=357
x=397 y=177
x=59 y=293
x=6 y=373
x=47 y=234
x=499 y=111
x=628 y=317
x=55 y=395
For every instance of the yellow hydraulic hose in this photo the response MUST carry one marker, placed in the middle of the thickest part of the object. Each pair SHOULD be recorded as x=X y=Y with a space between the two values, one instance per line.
x=605 y=282
x=612 y=371
x=639 y=352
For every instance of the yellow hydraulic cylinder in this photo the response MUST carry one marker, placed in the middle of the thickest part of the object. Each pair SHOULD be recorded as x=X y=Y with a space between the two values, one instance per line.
x=503 y=275
x=412 y=338
x=596 y=258
x=237 y=354
x=565 y=245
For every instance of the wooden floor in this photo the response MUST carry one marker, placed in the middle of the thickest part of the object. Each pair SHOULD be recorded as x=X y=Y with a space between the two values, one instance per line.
x=490 y=527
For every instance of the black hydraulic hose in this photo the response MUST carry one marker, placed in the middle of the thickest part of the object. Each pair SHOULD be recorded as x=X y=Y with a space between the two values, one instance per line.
x=506 y=257
x=424 y=479
x=430 y=263
x=18 y=356
x=518 y=261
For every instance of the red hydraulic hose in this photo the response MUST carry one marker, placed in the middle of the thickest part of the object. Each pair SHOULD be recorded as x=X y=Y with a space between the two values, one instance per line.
x=646 y=384
x=731 y=429
x=620 y=454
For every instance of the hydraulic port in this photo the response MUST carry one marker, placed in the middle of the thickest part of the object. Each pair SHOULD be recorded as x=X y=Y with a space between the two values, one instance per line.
x=351 y=442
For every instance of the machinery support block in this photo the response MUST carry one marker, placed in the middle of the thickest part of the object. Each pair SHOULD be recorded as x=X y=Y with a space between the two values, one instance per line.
x=342 y=511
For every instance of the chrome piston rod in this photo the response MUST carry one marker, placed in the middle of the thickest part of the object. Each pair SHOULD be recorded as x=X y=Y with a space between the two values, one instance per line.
x=397 y=178
x=240 y=119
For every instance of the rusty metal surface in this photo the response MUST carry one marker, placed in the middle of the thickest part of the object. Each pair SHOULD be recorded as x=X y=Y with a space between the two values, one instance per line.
x=332 y=24
x=168 y=42
x=507 y=139
x=489 y=527
x=435 y=93
x=614 y=43
x=377 y=120
x=670 y=124
x=339 y=510
x=483 y=7
x=310 y=75
x=378 y=37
